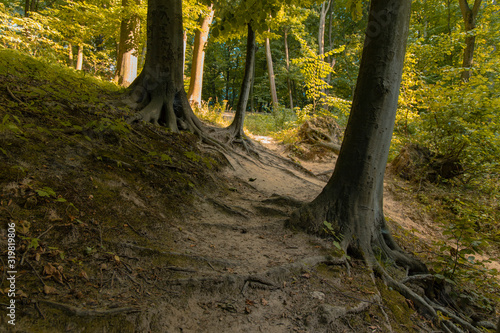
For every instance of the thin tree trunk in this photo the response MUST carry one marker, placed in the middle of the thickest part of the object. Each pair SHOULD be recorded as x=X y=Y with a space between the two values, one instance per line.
x=469 y=15
x=331 y=60
x=184 y=43
x=287 y=59
x=200 y=40
x=27 y=8
x=126 y=65
x=237 y=125
x=352 y=199
x=325 y=6
x=252 y=103
x=79 y=59
x=70 y=55
x=270 y=71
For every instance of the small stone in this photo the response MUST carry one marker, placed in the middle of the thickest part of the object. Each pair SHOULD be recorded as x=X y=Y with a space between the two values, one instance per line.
x=318 y=295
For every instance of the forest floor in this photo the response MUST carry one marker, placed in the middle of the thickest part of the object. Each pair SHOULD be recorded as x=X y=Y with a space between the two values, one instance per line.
x=142 y=230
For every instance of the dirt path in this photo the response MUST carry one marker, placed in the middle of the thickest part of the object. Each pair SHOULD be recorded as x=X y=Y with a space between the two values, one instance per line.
x=228 y=265
x=260 y=276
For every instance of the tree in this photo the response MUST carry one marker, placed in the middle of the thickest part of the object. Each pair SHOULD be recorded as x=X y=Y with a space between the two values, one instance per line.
x=325 y=7
x=352 y=200
x=200 y=40
x=469 y=15
x=126 y=64
x=159 y=90
x=270 y=70
x=236 y=127
x=287 y=64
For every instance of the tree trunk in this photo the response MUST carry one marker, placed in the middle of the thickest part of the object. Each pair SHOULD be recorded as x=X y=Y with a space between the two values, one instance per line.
x=70 y=55
x=252 y=99
x=287 y=59
x=126 y=64
x=325 y=6
x=184 y=43
x=469 y=15
x=79 y=59
x=352 y=199
x=159 y=89
x=236 y=126
x=200 y=40
x=270 y=71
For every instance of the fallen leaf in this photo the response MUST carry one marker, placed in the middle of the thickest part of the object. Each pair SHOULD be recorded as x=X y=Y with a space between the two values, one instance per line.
x=306 y=275
x=49 y=269
x=249 y=302
x=37 y=257
x=84 y=275
x=49 y=290
x=264 y=302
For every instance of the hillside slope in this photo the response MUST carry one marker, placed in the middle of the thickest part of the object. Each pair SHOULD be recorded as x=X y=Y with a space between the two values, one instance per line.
x=135 y=229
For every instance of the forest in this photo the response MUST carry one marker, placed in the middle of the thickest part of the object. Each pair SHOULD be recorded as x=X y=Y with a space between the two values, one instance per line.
x=240 y=166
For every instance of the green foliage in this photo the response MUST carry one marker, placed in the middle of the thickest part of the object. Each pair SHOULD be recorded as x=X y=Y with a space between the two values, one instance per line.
x=456 y=120
x=9 y=125
x=315 y=70
x=117 y=126
x=46 y=192
x=212 y=112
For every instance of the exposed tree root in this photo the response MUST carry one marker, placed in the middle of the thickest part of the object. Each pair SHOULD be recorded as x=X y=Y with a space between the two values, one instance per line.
x=429 y=308
x=227 y=209
x=281 y=200
x=73 y=310
x=225 y=263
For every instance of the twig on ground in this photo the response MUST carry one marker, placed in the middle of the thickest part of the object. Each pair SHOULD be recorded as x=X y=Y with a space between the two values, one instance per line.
x=45 y=232
x=13 y=96
x=34 y=270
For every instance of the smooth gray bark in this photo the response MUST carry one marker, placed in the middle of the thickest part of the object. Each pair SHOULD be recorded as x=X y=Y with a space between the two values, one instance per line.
x=270 y=71
x=287 y=59
x=352 y=199
x=159 y=89
x=200 y=40
x=126 y=62
x=237 y=125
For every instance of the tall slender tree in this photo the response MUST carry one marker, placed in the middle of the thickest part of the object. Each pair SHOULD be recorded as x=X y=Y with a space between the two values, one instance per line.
x=200 y=40
x=469 y=15
x=126 y=64
x=236 y=127
x=270 y=71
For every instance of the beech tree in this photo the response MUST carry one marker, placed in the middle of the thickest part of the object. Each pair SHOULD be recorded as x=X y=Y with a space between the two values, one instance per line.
x=352 y=200
x=200 y=40
x=159 y=90
x=270 y=70
x=469 y=15
x=126 y=64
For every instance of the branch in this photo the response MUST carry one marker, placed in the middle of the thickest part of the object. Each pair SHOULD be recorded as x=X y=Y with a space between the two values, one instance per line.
x=475 y=8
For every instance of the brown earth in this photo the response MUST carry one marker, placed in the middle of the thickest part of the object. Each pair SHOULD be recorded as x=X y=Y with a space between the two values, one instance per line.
x=220 y=262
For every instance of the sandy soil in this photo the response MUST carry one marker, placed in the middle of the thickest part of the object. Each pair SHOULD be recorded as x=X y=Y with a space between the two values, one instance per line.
x=230 y=265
